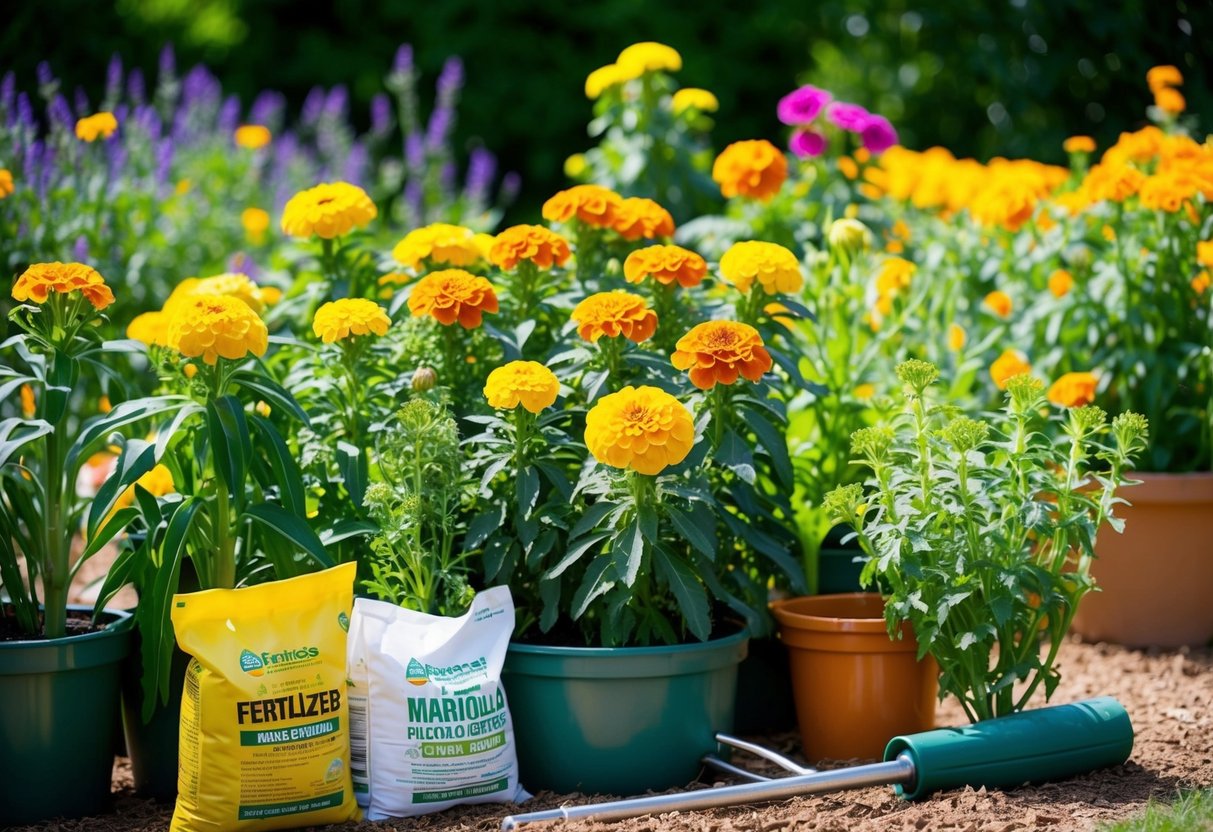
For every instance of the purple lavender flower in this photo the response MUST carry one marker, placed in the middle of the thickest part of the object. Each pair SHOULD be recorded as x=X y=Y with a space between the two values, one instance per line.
x=267 y=109
x=511 y=183
x=878 y=134
x=60 y=113
x=313 y=106
x=451 y=78
x=414 y=199
x=849 y=117
x=356 y=163
x=807 y=143
x=802 y=105
x=229 y=115
x=199 y=88
x=403 y=64
x=135 y=88
x=482 y=165
x=113 y=78
x=168 y=62
x=241 y=263
x=45 y=76
x=336 y=102
x=414 y=153
x=47 y=172
x=116 y=158
x=80 y=249
x=33 y=161
x=439 y=128
x=25 y=111
x=381 y=115
x=8 y=92
x=81 y=102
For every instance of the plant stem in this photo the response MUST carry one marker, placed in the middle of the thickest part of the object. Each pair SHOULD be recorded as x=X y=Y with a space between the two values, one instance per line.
x=58 y=541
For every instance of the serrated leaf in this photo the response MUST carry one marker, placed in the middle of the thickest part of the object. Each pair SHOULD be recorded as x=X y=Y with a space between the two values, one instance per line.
x=687 y=589
x=593 y=584
x=627 y=552
x=576 y=549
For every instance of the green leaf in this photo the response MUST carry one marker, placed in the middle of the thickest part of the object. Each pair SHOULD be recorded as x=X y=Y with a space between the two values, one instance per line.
x=701 y=538
x=627 y=552
x=280 y=523
x=97 y=430
x=593 y=584
x=231 y=445
x=62 y=378
x=351 y=462
x=120 y=573
x=135 y=460
x=576 y=549
x=592 y=517
x=549 y=593
x=153 y=615
x=272 y=393
x=482 y=525
x=774 y=441
x=16 y=433
x=116 y=523
x=286 y=470
x=734 y=454
x=346 y=529
x=688 y=591
x=526 y=491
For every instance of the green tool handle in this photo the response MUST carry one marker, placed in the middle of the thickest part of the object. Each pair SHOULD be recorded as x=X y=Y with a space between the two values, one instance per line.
x=1031 y=746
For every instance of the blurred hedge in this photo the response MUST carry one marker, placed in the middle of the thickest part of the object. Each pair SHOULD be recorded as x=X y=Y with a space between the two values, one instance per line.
x=1012 y=77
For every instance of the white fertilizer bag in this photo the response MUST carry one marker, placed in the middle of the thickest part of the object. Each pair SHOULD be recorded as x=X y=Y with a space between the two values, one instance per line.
x=429 y=724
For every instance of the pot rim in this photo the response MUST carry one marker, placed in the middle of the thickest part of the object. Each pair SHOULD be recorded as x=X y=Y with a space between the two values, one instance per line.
x=626 y=662
x=789 y=613
x=72 y=652
x=1163 y=487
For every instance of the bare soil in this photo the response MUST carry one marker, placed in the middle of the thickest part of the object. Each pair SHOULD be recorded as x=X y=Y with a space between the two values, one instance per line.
x=1168 y=694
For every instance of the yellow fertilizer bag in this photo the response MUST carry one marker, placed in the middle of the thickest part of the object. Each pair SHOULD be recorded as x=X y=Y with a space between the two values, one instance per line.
x=265 y=740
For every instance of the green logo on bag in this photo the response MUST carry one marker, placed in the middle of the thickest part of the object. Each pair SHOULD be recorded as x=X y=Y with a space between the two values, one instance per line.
x=251 y=663
x=416 y=673
x=344 y=621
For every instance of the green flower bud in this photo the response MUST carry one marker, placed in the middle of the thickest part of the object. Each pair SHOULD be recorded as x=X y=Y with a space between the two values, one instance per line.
x=918 y=375
x=874 y=443
x=1087 y=419
x=424 y=378
x=850 y=235
x=1130 y=428
x=1025 y=392
x=844 y=504
x=965 y=434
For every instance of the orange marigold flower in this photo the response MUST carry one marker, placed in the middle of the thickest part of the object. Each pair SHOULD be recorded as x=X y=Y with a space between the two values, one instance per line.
x=1073 y=390
x=6 y=182
x=665 y=264
x=1170 y=101
x=331 y=209
x=719 y=351
x=453 y=295
x=99 y=125
x=440 y=244
x=1079 y=144
x=526 y=383
x=1008 y=365
x=1060 y=283
x=532 y=243
x=639 y=217
x=215 y=326
x=641 y=428
x=755 y=169
x=956 y=337
x=39 y=280
x=29 y=405
x=256 y=222
x=1200 y=283
x=613 y=314
x=150 y=328
x=999 y=302
x=592 y=204
x=1161 y=77
x=847 y=167
x=774 y=267
x=342 y=318
x=252 y=136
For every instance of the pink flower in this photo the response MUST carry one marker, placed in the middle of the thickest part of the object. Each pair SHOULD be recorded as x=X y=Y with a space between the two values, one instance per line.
x=803 y=105
x=807 y=143
x=878 y=134
x=850 y=117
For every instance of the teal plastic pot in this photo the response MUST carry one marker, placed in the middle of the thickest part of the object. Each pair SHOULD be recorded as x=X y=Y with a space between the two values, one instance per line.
x=152 y=745
x=58 y=721
x=619 y=720
x=839 y=565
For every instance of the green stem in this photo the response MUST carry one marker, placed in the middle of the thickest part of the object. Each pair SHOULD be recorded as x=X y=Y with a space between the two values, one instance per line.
x=57 y=541
x=225 y=541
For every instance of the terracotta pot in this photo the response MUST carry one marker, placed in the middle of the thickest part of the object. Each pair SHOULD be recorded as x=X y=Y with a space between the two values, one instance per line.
x=855 y=687
x=1155 y=579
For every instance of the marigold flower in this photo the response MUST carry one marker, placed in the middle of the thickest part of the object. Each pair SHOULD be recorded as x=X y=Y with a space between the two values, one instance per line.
x=649 y=56
x=1161 y=77
x=526 y=383
x=215 y=326
x=592 y=204
x=534 y=243
x=774 y=267
x=157 y=482
x=256 y=222
x=850 y=235
x=1073 y=390
x=605 y=77
x=1079 y=144
x=999 y=302
x=1112 y=181
x=99 y=125
x=190 y=370
x=957 y=337
x=613 y=314
x=263 y=409
x=345 y=317
x=665 y=264
x=1200 y=283
x=150 y=328
x=693 y=98
x=1060 y=283
x=453 y=295
x=719 y=351
x=252 y=136
x=1167 y=191
x=641 y=428
x=231 y=284
x=895 y=274
x=865 y=391
x=328 y=210
x=1008 y=365
x=40 y=279
x=29 y=405
x=1169 y=101
x=640 y=217
x=6 y=182
x=439 y=243
x=848 y=167
x=755 y=169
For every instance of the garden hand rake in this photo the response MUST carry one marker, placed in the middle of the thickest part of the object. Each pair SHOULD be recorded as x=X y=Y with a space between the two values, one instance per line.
x=1032 y=746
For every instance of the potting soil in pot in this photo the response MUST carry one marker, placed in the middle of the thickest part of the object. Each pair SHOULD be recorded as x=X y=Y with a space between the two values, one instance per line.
x=264 y=717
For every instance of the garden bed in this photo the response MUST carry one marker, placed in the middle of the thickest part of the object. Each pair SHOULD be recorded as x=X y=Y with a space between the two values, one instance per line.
x=1169 y=696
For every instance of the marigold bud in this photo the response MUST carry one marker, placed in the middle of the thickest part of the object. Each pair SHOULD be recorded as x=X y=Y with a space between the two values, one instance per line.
x=424 y=378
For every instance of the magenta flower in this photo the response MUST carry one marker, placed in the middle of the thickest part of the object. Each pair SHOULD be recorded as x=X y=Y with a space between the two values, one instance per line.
x=850 y=117
x=807 y=144
x=803 y=105
x=878 y=134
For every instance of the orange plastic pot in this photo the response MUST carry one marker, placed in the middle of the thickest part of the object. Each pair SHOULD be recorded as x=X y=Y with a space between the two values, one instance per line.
x=1155 y=579
x=854 y=687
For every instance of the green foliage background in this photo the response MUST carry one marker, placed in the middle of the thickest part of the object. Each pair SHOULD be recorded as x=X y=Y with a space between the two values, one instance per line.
x=1008 y=77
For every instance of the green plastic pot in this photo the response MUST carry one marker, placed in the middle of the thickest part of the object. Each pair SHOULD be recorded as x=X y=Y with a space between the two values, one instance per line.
x=58 y=720
x=152 y=745
x=619 y=720
x=839 y=565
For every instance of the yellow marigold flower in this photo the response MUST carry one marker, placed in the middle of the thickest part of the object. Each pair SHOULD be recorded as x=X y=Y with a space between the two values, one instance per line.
x=900 y=230
x=150 y=328
x=1079 y=144
x=1060 y=283
x=256 y=222
x=774 y=267
x=1200 y=283
x=613 y=314
x=605 y=77
x=640 y=217
x=755 y=169
x=39 y=280
x=340 y=319
x=720 y=351
x=1045 y=221
x=999 y=302
x=1008 y=365
x=641 y=428
x=849 y=234
x=533 y=243
x=1167 y=191
x=575 y=165
x=328 y=210
x=1115 y=182
x=6 y=182
x=1204 y=253
x=863 y=392
x=1073 y=390
x=848 y=167
x=157 y=482
x=104 y=405
x=665 y=264
x=252 y=136
x=262 y=409
x=693 y=98
x=649 y=57
x=1161 y=77
x=231 y=284
x=1109 y=233
x=956 y=337
x=895 y=275
x=215 y=326
x=190 y=370
x=29 y=405
x=1169 y=101
x=440 y=244
x=182 y=187
x=453 y=295
x=592 y=204
x=526 y=383
x=99 y=125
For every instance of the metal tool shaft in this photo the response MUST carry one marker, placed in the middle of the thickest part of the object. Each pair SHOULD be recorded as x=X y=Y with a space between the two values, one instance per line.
x=895 y=772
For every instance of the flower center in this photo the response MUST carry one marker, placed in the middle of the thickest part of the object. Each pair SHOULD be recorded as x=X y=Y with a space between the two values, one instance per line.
x=325 y=200
x=722 y=338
